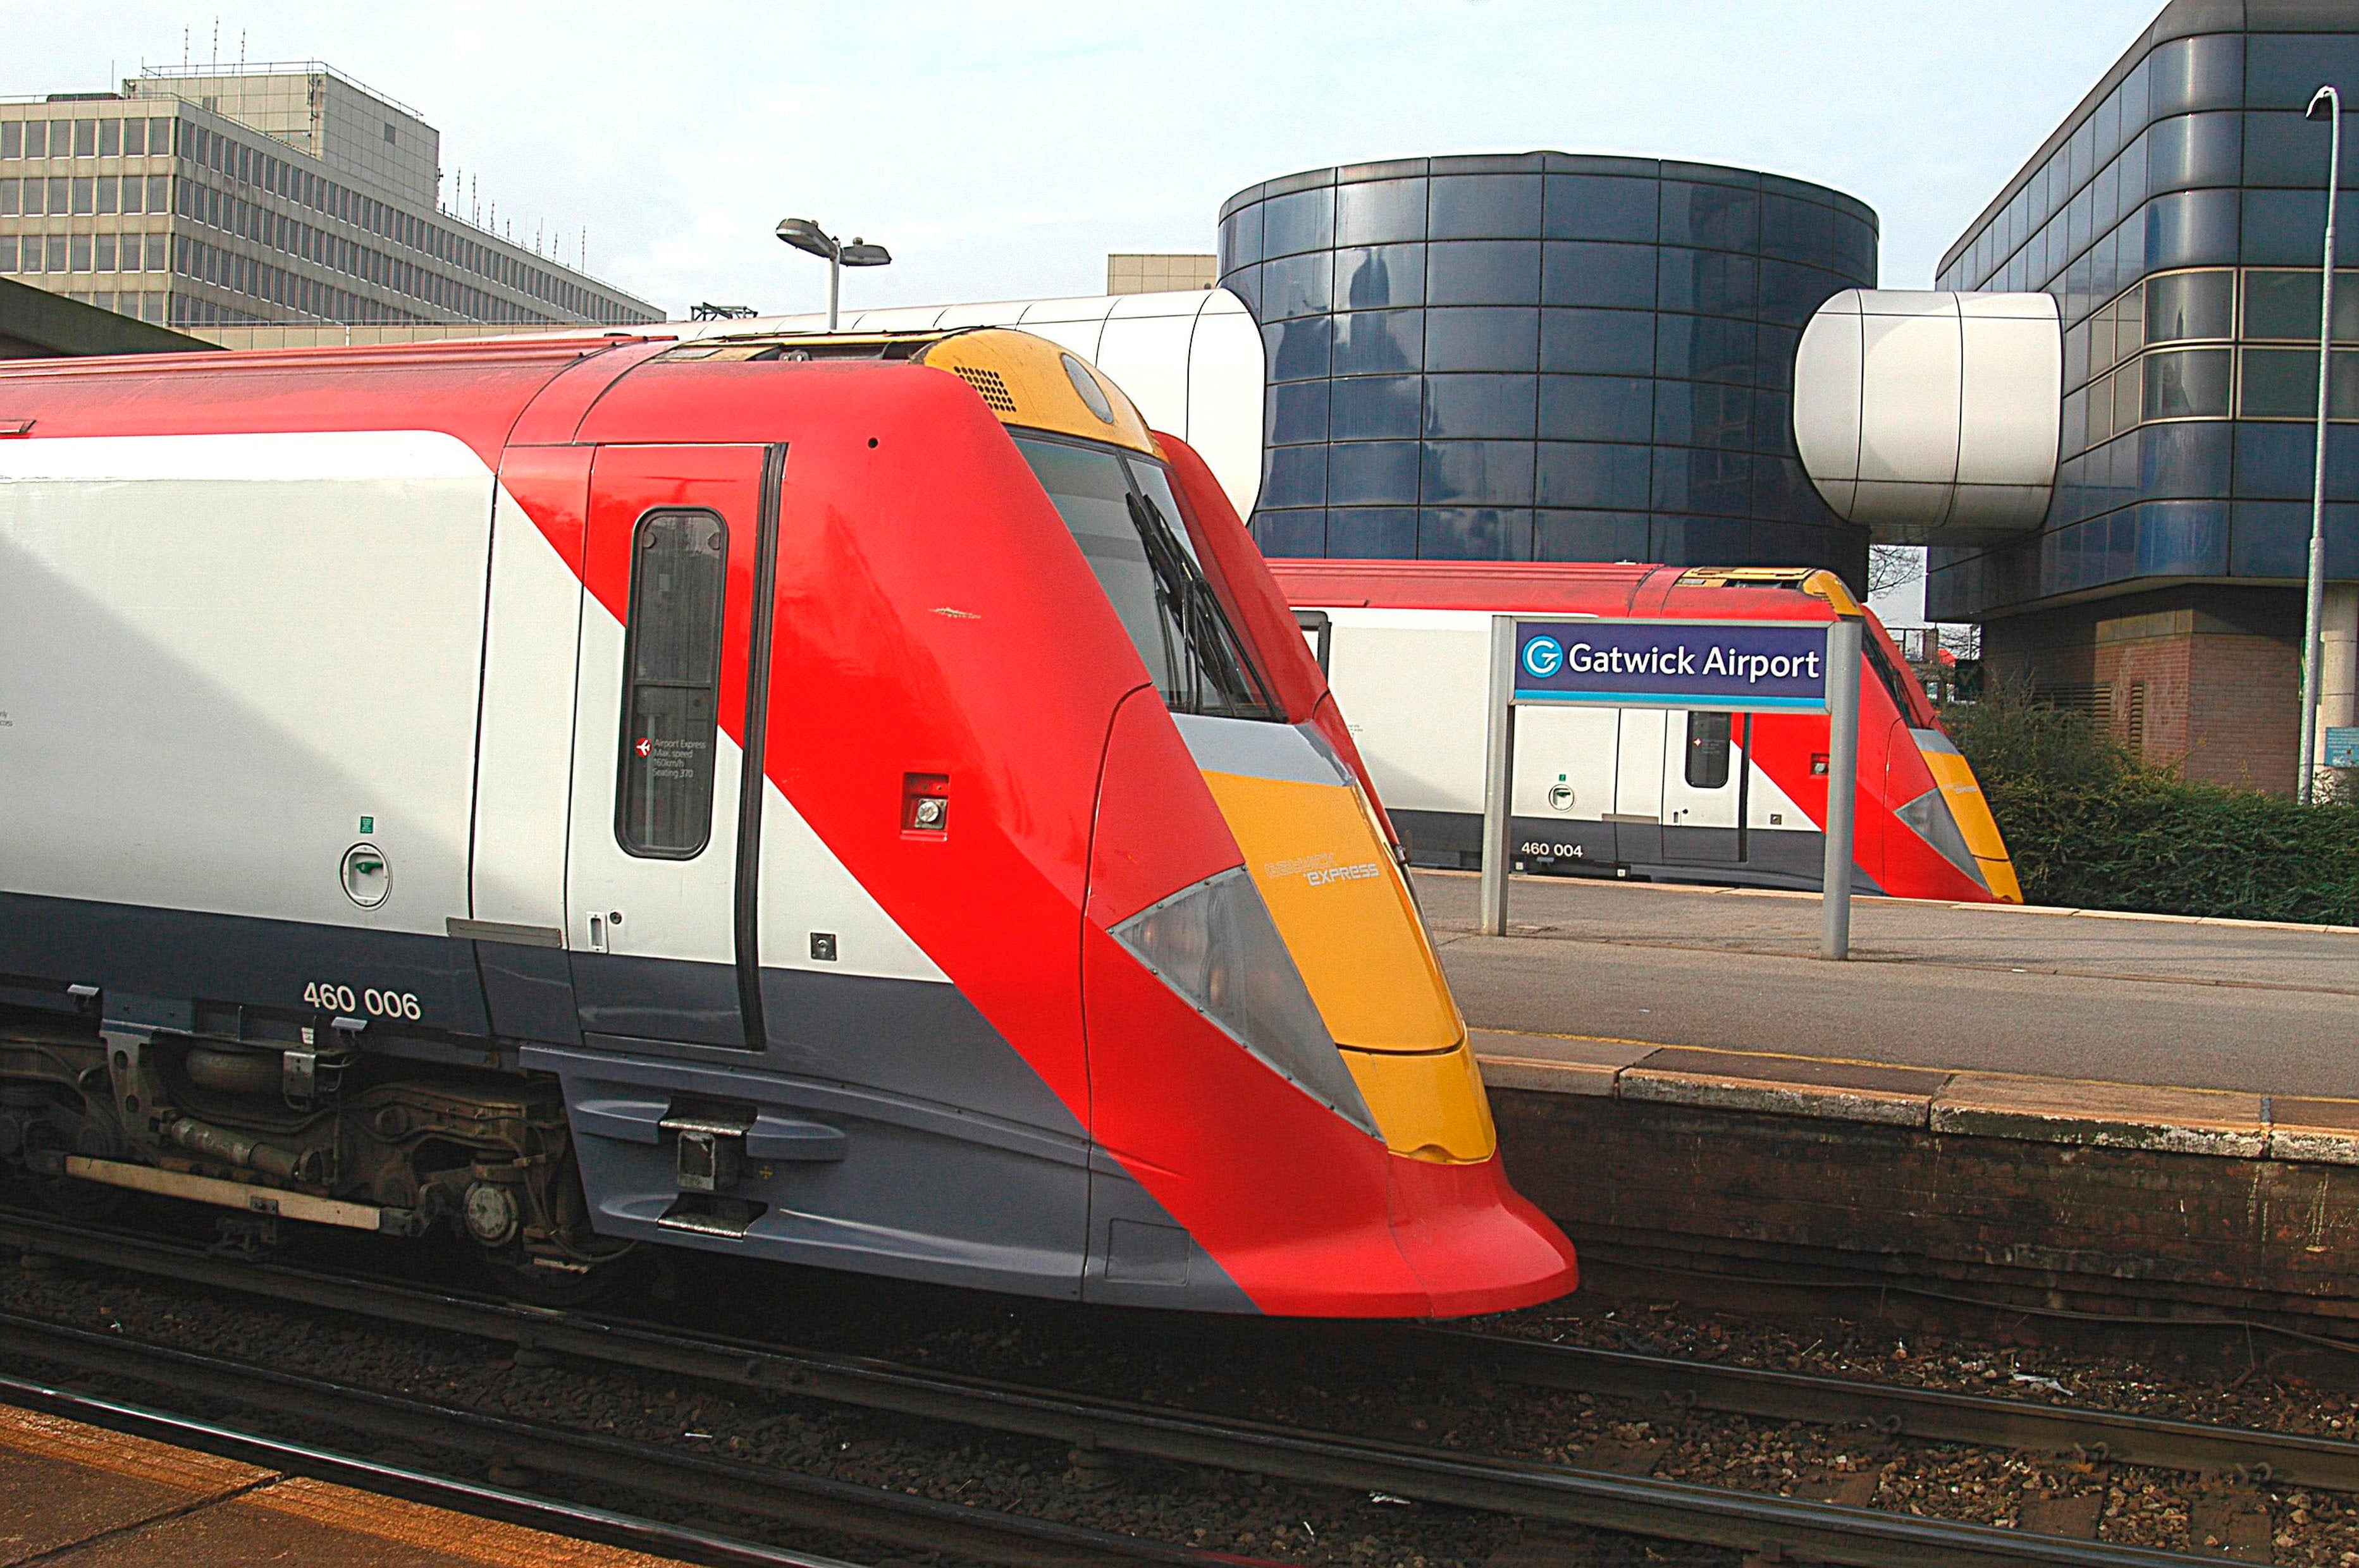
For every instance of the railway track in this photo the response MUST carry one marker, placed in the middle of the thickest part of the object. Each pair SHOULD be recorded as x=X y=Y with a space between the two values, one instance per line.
x=1896 y=1410
x=364 y=1475
x=644 y=1469
x=1768 y=1525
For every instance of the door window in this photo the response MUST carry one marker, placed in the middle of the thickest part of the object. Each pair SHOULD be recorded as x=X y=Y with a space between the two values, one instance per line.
x=1707 y=750
x=671 y=688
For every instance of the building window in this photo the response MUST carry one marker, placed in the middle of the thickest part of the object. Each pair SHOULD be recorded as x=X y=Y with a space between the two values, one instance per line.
x=2186 y=383
x=2282 y=383
x=7 y=252
x=672 y=684
x=2188 y=305
x=103 y=261
x=2282 y=304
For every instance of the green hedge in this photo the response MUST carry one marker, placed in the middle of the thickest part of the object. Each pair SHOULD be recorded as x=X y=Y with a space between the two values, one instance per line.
x=2091 y=827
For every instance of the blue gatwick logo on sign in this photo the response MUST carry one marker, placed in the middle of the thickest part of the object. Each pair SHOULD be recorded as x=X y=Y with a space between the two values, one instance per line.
x=1741 y=665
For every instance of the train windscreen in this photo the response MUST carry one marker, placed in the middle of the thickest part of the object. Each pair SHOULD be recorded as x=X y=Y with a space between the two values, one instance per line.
x=1122 y=514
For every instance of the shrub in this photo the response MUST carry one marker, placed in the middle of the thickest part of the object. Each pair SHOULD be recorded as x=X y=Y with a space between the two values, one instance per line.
x=2093 y=828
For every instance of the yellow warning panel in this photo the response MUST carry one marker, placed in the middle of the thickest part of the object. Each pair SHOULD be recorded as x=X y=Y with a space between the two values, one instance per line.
x=1428 y=1107
x=1970 y=810
x=1340 y=903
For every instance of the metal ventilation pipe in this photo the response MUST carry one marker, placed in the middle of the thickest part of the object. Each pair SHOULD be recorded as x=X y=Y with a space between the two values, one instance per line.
x=1933 y=417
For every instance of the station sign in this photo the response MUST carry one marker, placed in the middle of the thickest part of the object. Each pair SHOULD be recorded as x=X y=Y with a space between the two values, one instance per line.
x=1738 y=666
x=2342 y=746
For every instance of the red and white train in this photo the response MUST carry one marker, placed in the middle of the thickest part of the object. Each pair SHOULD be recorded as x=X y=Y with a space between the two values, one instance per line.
x=1670 y=794
x=849 y=800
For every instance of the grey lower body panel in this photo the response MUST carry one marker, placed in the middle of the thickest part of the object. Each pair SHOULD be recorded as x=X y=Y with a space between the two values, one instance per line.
x=187 y=969
x=924 y=1147
x=1771 y=857
x=958 y=1163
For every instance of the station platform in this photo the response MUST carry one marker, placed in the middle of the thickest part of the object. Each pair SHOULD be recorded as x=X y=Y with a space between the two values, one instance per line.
x=83 y=1496
x=1991 y=987
x=2067 y=1108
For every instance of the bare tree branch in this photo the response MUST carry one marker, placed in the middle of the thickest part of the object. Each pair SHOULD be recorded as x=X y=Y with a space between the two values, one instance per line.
x=1893 y=566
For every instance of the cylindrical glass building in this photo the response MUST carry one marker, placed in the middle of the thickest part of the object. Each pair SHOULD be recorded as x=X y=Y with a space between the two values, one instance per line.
x=1541 y=356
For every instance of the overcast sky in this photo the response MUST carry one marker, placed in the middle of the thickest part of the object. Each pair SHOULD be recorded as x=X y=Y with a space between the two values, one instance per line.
x=1002 y=150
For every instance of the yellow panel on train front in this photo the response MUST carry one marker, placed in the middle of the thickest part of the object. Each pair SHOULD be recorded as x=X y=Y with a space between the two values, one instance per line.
x=1347 y=918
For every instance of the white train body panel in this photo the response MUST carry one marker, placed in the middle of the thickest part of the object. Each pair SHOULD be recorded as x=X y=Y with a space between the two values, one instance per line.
x=530 y=653
x=244 y=646
x=1413 y=685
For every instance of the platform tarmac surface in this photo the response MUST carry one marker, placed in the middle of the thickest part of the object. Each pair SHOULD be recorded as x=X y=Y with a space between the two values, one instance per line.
x=1990 y=989
x=82 y=1497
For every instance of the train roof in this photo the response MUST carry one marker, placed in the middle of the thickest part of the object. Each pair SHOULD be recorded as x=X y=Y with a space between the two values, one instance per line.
x=538 y=390
x=1590 y=588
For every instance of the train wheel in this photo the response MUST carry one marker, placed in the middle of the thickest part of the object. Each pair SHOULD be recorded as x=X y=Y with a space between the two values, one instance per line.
x=66 y=1130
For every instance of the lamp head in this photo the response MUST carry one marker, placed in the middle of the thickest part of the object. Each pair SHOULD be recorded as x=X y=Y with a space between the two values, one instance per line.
x=860 y=253
x=2325 y=102
x=805 y=235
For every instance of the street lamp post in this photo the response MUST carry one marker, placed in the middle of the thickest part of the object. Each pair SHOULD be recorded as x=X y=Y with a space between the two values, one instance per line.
x=2325 y=105
x=807 y=236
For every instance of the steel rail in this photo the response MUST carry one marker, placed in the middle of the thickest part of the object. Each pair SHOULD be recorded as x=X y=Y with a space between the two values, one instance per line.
x=1895 y=1410
x=576 y=1520
x=1680 y=1510
x=925 y=1524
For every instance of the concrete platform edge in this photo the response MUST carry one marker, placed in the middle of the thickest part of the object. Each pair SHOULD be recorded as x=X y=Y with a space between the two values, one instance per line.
x=2161 y=1118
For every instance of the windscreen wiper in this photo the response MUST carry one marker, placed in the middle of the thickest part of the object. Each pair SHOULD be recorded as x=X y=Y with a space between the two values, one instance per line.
x=1201 y=623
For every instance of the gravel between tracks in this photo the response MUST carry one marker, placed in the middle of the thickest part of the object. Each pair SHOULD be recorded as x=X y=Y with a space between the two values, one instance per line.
x=1287 y=1373
x=1221 y=1512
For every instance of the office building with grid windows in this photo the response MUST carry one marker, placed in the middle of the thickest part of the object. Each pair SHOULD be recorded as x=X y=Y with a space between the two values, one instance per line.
x=1541 y=356
x=2176 y=217
x=274 y=194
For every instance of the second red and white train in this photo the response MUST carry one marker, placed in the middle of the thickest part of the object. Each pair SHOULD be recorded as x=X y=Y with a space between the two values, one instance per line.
x=1676 y=795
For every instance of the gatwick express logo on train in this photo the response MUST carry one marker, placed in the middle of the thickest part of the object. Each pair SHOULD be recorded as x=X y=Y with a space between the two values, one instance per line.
x=1745 y=666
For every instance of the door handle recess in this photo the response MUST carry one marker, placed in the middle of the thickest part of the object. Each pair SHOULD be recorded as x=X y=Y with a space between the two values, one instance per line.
x=773 y=1136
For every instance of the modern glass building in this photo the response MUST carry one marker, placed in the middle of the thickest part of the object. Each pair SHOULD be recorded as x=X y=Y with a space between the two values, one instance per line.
x=1542 y=357
x=2177 y=216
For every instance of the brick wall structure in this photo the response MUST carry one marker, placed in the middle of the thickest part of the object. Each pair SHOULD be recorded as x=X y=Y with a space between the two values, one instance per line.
x=2202 y=677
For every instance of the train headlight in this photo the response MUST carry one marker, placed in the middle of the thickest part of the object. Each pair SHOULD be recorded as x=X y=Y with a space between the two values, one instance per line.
x=1216 y=944
x=1930 y=817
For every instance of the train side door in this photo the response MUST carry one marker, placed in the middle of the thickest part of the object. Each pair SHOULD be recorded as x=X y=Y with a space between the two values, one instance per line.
x=1564 y=793
x=1704 y=776
x=1638 y=816
x=652 y=862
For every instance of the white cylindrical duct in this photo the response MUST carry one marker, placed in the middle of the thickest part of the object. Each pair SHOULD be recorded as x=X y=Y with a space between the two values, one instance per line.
x=1190 y=359
x=1932 y=416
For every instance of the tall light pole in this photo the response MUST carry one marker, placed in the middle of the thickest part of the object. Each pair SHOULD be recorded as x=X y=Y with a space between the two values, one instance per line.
x=807 y=236
x=2325 y=105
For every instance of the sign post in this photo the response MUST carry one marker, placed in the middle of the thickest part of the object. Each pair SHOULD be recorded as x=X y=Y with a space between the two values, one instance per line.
x=1842 y=786
x=1728 y=666
x=1499 y=772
